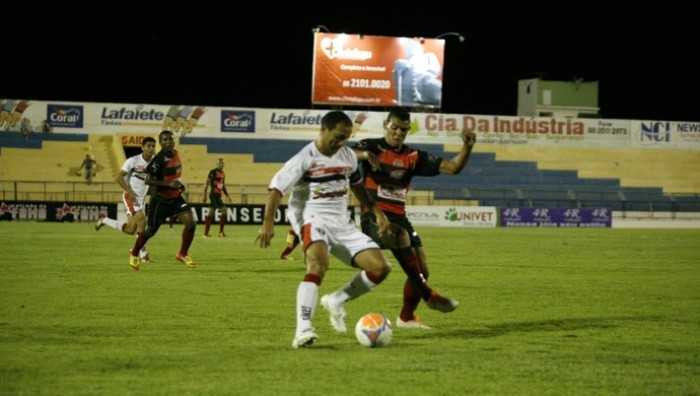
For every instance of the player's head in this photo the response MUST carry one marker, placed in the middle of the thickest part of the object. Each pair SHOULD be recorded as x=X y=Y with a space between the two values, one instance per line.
x=336 y=128
x=396 y=126
x=148 y=146
x=220 y=164
x=167 y=143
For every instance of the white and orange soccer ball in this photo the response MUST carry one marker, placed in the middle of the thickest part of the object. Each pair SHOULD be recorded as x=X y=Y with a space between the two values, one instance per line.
x=373 y=330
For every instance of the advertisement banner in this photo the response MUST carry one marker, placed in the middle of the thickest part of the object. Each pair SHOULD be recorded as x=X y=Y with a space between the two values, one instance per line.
x=499 y=129
x=56 y=211
x=242 y=121
x=687 y=133
x=666 y=134
x=521 y=131
x=65 y=116
x=377 y=71
x=453 y=216
x=306 y=124
x=285 y=122
x=134 y=140
x=653 y=134
x=606 y=133
x=138 y=120
x=556 y=217
x=145 y=118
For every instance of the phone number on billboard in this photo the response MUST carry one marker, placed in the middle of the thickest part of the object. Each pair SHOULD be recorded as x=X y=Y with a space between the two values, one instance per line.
x=366 y=83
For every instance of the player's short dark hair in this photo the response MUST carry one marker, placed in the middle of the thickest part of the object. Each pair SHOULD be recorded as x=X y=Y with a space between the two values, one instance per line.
x=165 y=132
x=399 y=113
x=333 y=118
x=148 y=139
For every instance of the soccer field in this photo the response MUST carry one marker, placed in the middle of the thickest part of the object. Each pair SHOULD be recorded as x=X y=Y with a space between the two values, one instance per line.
x=543 y=311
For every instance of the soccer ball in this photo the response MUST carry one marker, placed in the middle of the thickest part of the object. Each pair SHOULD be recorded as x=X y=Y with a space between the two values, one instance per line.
x=373 y=330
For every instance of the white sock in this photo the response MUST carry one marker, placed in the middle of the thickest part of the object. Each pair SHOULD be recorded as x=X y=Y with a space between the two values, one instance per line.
x=307 y=295
x=143 y=253
x=117 y=225
x=358 y=285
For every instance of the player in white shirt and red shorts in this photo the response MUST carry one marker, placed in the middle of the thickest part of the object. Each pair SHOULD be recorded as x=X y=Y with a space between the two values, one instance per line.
x=319 y=178
x=132 y=178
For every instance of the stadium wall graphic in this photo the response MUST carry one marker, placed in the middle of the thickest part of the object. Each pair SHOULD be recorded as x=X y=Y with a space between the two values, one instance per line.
x=245 y=214
x=55 y=211
x=556 y=217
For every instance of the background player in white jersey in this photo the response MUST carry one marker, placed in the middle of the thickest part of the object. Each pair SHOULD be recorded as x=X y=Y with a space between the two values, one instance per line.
x=319 y=178
x=131 y=178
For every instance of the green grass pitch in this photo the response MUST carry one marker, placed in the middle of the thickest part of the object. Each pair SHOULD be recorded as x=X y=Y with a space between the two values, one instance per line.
x=543 y=312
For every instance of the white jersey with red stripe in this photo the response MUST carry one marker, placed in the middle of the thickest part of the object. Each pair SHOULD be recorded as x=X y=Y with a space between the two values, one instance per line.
x=135 y=169
x=319 y=184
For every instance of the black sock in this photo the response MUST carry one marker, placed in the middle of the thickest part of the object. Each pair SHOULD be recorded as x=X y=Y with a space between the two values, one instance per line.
x=408 y=260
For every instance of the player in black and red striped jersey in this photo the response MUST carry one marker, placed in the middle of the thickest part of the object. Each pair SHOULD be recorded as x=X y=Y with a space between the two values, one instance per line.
x=164 y=173
x=389 y=165
x=216 y=180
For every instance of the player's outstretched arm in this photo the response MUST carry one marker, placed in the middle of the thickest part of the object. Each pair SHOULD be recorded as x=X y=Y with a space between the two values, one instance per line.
x=228 y=197
x=267 y=231
x=206 y=188
x=457 y=163
x=120 y=179
x=365 y=155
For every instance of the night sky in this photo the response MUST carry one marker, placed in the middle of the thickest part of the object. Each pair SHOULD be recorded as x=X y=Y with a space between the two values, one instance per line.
x=263 y=59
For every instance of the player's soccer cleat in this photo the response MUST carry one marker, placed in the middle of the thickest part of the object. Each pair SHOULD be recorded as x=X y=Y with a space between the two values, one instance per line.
x=442 y=304
x=222 y=235
x=187 y=260
x=99 y=224
x=145 y=257
x=206 y=236
x=286 y=252
x=292 y=242
x=337 y=314
x=305 y=339
x=414 y=323
x=134 y=262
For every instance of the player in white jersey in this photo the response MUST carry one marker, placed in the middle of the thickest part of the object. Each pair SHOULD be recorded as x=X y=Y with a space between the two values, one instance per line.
x=319 y=178
x=132 y=179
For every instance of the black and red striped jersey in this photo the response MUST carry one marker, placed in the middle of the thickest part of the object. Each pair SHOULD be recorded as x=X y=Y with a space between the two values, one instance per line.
x=389 y=184
x=166 y=167
x=216 y=181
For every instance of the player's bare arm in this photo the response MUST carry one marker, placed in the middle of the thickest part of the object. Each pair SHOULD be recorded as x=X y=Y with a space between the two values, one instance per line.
x=206 y=188
x=457 y=163
x=228 y=197
x=365 y=155
x=267 y=231
x=124 y=185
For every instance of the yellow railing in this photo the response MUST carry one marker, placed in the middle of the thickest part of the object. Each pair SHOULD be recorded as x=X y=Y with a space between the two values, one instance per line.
x=111 y=192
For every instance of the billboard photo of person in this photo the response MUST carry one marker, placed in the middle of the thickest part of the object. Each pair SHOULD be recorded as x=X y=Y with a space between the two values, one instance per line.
x=416 y=77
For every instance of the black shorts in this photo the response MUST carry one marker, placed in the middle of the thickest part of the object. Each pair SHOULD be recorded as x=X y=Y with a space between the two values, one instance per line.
x=369 y=227
x=160 y=208
x=216 y=201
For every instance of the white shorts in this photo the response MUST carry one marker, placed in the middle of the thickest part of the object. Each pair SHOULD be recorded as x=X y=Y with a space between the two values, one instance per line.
x=134 y=205
x=294 y=220
x=343 y=240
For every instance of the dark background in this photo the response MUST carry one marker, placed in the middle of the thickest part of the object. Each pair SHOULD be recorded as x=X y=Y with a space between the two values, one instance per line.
x=229 y=55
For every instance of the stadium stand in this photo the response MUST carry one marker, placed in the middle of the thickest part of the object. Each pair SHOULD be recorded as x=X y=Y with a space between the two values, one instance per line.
x=623 y=179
